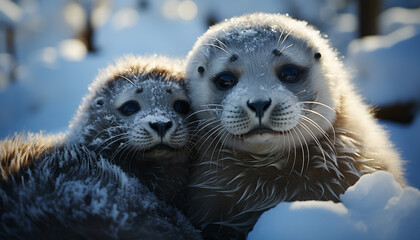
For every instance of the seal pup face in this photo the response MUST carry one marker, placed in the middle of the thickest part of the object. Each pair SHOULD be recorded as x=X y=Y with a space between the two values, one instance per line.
x=260 y=84
x=137 y=108
x=153 y=112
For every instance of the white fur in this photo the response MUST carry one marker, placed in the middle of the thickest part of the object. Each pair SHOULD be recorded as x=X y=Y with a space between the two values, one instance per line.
x=322 y=139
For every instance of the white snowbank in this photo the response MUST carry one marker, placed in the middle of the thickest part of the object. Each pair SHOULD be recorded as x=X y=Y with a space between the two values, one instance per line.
x=387 y=66
x=376 y=207
x=406 y=139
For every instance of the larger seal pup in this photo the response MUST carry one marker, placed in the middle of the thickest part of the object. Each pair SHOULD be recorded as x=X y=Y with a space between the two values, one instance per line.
x=279 y=121
x=131 y=124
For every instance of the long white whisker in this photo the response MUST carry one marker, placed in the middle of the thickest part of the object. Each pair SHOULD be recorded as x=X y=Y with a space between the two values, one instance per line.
x=218 y=47
x=316 y=141
x=125 y=78
x=313 y=123
x=323 y=117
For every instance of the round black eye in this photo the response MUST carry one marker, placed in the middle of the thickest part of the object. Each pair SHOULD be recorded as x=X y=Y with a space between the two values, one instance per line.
x=225 y=81
x=129 y=108
x=181 y=106
x=289 y=74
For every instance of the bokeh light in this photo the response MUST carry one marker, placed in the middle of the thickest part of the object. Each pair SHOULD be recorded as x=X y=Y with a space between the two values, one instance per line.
x=187 y=10
x=72 y=50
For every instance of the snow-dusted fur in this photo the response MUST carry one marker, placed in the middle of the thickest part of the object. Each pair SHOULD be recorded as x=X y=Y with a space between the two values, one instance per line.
x=75 y=194
x=313 y=138
x=155 y=83
x=117 y=126
x=21 y=150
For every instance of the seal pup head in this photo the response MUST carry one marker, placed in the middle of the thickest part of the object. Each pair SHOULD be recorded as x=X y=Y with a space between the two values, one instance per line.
x=263 y=83
x=136 y=107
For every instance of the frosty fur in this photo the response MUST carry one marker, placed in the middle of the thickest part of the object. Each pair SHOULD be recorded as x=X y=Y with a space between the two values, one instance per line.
x=101 y=132
x=75 y=194
x=21 y=150
x=321 y=138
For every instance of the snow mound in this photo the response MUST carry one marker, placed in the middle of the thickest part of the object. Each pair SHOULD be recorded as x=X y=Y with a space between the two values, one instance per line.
x=377 y=207
x=385 y=67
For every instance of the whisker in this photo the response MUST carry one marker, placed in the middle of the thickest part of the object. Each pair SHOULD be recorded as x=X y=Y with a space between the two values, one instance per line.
x=287 y=35
x=315 y=139
x=213 y=45
x=109 y=139
x=281 y=35
x=313 y=102
x=215 y=38
x=124 y=77
x=294 y=158
x=211 y=133
x=313 y=123
x=322 y=116
x=286 y=47
x=307 y=149
x=303 y=153
x=200 y=111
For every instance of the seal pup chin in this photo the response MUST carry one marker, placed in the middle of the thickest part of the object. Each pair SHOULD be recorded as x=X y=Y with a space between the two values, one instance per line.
x=279 y=120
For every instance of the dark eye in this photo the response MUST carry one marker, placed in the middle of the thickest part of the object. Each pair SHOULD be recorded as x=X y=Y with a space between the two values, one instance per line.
x=289 y=74
x=225 y=81
x=129 y=108
x=182 y=106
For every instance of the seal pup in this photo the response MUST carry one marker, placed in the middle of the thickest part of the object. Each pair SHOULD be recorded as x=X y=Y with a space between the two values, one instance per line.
x=279 y=121
x=133 y=117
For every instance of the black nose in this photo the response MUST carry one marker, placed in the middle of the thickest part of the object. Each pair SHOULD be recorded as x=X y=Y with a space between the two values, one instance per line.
x=259 y=107
x=161 y=127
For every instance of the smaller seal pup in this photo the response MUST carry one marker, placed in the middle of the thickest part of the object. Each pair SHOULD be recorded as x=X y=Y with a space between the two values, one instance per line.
x=133 y=117
x=280 y=121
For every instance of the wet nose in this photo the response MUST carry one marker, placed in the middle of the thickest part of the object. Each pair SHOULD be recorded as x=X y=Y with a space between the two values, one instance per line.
x=259 y=107
x=161 y=127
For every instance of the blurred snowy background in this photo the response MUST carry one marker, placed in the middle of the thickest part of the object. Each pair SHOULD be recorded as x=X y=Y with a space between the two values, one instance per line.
x=50 y=51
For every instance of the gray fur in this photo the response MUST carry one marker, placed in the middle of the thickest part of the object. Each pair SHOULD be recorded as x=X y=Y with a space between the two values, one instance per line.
x=75 y=194
x=106 y=178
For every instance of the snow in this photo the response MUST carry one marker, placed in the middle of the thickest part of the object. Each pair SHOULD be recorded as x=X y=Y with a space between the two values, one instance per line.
x=395 y=18
x=406 y=138
x=376 y=207
x=155 y=118
x=55 y=70
x=379 y=73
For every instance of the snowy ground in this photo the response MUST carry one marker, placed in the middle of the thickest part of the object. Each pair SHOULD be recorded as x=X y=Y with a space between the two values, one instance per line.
x=55 y=70
x=369 y=211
